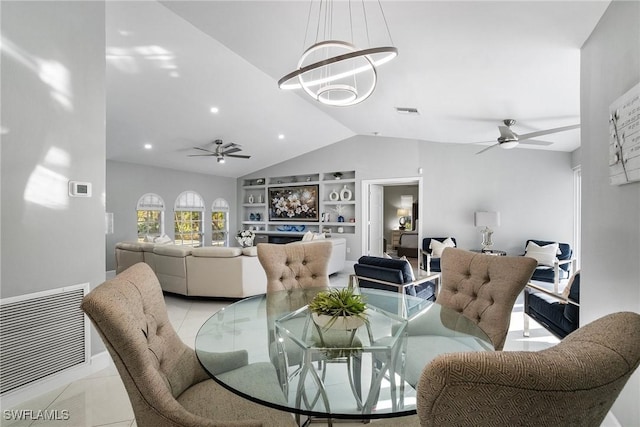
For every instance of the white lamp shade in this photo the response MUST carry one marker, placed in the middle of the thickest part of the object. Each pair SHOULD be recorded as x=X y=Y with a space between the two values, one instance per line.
x=487 y=219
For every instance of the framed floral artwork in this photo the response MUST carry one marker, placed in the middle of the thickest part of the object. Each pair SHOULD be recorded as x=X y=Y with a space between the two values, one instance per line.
x=296 y=203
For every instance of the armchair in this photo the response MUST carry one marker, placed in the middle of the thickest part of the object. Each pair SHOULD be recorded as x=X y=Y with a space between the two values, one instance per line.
x=431 y=253
x=395 y=275
x=562 y=267
x=559 y=314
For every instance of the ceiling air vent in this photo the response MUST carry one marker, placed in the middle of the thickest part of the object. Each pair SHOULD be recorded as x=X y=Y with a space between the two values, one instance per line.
x=407 y=110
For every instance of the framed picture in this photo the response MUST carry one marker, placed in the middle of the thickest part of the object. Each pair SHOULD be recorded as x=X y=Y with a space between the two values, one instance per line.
x=297 y=203
x=624 y=138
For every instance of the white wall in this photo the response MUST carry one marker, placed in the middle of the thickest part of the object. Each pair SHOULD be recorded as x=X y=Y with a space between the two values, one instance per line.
x=127 y=182
x=532 y=189
x=610 y=66
x=53 y=131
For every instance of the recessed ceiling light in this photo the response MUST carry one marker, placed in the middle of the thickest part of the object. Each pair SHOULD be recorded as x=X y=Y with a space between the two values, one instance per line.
x=281 y=136
x=214 y=110
x=148 y=146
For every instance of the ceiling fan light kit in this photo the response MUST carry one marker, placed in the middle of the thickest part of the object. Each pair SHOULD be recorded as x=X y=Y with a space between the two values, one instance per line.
x=336 y=72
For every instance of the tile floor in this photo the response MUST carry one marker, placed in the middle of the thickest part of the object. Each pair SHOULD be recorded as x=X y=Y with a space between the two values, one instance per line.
x=101 y=399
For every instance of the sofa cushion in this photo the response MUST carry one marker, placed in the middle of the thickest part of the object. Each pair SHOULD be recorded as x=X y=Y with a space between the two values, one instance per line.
x=250 y=251
x=216 y=252
x=129 y=246
x=550 y=312
x=172 y=250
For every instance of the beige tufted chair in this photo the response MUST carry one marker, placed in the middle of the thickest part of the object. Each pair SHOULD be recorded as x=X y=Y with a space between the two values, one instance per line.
x=164 y=380
x=484 y=288
x=572 y=383
x=295 y=265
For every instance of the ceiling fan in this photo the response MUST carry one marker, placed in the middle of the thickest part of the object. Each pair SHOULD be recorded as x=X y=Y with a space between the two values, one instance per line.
x=509 y=139
x=222 y=151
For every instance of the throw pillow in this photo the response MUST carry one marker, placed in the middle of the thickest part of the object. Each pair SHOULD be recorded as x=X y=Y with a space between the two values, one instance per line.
x=307 y=236
x=386 y=255
x=318 y=236
x=437 y=246
x=545 y=255
x=163 y=240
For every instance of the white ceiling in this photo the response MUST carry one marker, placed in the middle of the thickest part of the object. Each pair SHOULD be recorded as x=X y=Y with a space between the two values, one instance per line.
x=464 y=65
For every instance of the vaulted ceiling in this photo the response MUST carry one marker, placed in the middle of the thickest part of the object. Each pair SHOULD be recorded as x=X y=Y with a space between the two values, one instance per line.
x=465 y=66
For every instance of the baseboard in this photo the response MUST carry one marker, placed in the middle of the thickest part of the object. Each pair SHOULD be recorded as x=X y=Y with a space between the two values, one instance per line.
x=110 y=274
x=13 y=398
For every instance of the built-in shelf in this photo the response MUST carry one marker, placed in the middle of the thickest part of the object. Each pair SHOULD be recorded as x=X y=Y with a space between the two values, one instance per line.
x=335 y=197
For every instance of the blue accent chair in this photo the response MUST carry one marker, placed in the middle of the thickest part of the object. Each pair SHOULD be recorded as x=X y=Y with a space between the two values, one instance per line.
x=427 y=259
x=558 y=314
x=562 y=269
x=395 y=272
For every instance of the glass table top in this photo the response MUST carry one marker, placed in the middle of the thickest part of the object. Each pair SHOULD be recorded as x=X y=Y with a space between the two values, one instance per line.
x=370 y=372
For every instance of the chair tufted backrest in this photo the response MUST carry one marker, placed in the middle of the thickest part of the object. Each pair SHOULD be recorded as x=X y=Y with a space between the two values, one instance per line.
x=155 y=365
x=484 y=288
x=572 y=383
x=295 y=265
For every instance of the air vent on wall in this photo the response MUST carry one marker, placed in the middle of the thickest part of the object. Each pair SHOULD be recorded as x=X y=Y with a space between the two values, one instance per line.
x=407 y=110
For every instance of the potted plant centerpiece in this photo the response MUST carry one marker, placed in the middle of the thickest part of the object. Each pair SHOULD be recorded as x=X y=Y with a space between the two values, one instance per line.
x=338 y=309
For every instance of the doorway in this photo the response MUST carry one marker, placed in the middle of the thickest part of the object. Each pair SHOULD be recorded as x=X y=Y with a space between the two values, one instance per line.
x=373 y=212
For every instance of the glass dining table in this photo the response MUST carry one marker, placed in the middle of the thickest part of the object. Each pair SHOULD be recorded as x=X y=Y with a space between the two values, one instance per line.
x=367 y=373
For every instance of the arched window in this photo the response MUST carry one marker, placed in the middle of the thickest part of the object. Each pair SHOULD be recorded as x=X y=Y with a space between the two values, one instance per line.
x=220 y=223
x=150 y=210
x=188 y=219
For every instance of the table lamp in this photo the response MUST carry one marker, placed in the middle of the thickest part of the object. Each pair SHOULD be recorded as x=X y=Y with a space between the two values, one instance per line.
x=487 y=220
x=402 y=217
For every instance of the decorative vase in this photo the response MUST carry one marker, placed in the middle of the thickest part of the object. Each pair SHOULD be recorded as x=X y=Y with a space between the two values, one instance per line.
x=340 y=218
x=250 y=198
x=334 y=196
x=258 y=216
x=345 y=193
x=252 y=217
x=341 y=323
x=340 y=230
x=260 y=199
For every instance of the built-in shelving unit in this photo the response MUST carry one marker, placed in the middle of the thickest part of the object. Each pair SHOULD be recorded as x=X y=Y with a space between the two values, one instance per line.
x=335 y=207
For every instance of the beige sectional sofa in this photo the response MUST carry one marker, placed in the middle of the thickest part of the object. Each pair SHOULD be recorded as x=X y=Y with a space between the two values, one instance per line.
x=208 y=271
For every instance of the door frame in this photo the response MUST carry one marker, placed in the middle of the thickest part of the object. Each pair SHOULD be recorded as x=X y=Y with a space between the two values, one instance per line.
x=365 y=185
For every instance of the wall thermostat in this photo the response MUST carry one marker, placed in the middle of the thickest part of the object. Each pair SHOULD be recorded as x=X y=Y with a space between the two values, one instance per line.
x=79 y=189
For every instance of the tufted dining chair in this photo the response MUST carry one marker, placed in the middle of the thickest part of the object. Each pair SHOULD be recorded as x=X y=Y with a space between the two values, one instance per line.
x=295 y=265
x=166 y=385
x=484 y=288
x=574 y=383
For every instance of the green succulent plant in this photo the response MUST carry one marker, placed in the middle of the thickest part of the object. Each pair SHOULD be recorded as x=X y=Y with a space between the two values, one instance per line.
x=339 y=302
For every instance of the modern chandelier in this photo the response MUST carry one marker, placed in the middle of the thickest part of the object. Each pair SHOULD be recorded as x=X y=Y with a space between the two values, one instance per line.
x=339 y=67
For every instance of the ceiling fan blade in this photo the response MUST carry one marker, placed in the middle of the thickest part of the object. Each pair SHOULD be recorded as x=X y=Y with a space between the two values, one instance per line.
x=229 y=144
x=232 y=150
x=547 y=132
x=239 y=156
x=488 y=148
x=507 y=133
x=535 y=142
x=202 y=149
x=202 y=155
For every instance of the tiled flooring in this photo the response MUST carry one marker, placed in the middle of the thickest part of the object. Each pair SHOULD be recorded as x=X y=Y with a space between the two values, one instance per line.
x=101 y=400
